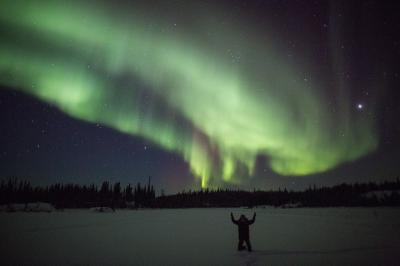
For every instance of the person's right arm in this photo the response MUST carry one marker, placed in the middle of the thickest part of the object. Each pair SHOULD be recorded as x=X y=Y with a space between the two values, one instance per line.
x=253 y=220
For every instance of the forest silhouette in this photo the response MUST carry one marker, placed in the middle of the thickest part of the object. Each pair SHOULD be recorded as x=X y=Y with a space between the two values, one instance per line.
x=144 y=196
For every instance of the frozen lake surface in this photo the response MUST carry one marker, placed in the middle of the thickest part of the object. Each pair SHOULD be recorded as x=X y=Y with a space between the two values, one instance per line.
x=331 y=236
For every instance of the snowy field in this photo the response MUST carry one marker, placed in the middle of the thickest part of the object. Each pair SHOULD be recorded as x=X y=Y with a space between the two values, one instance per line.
x=332 y=236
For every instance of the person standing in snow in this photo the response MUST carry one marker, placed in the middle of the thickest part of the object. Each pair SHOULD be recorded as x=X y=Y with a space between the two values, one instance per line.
x=243 y=226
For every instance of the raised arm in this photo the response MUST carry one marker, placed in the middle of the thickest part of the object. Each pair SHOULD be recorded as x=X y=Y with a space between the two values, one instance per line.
x=253 y=220
x=233 y=219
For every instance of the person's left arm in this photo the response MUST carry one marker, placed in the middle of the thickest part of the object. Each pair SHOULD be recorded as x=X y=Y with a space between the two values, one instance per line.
x=233 y=219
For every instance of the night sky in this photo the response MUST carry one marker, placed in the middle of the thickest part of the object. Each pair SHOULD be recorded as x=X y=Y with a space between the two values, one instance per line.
x=244 y=94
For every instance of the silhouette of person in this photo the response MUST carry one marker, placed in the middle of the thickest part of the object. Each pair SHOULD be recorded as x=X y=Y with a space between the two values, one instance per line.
x=243 y=226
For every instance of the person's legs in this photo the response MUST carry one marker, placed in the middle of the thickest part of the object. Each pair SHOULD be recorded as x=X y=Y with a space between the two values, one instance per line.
x=248 y=244
x=240 y=245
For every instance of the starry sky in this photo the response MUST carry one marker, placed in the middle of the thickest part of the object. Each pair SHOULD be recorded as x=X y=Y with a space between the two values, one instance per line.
x=244 y=94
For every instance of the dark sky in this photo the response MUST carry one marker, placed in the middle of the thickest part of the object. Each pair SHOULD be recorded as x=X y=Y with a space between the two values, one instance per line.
x=41 y=144
x=349 y=50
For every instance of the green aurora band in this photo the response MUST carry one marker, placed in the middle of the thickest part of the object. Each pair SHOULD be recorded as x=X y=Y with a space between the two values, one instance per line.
x=180 y=87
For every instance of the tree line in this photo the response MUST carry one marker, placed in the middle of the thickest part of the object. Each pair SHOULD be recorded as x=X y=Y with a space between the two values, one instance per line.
x=365 y=194
x=143 y=196
x=78 y=196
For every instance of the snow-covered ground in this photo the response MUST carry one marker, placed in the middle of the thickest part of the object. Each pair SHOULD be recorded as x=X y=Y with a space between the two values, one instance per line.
x=331 y=236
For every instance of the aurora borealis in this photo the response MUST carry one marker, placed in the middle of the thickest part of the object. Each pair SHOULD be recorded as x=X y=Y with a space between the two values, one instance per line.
x=219 y=95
